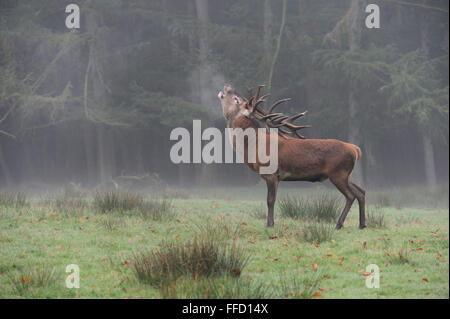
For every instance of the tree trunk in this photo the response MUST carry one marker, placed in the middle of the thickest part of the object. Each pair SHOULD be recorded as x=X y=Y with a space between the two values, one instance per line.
x=278 y=44
x=205 y=73
x=430 y=169
x=4 y=169
x=267 y=38
x=354 y=134
x=89 y=154
x=103 y=133
x=201 y=7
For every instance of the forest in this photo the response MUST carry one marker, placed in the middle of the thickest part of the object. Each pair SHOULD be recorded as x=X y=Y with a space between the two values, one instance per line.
x=95 y=105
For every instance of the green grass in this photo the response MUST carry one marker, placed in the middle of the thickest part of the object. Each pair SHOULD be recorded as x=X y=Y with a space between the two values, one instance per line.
x=40 y=238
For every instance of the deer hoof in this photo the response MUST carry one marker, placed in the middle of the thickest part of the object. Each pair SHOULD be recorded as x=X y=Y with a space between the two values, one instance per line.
x=338 y=226
x=362 y=226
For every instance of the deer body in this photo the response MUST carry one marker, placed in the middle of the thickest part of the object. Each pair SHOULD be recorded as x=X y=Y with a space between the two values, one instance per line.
x=313 y=160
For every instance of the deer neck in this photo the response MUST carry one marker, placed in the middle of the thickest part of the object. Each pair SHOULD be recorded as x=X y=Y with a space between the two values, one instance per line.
x=243 y=122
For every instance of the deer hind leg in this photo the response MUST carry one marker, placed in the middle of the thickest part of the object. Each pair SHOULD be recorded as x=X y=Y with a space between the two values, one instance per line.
x=272 y=186
x=361 y=196
x=341 y=183
x=358 y=188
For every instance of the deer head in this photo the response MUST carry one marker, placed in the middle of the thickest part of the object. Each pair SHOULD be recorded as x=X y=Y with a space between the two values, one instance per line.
x=232 y=102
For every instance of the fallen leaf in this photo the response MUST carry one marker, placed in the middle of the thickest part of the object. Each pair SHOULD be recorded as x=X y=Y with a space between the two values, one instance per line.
x=315 y=267
x=251 y=241
x=425 y=279
x=273 y=237
x=322 y=289
x=318 y=294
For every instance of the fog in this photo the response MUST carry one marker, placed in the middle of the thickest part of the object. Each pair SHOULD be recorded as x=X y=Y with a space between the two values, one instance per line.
x=93 y=107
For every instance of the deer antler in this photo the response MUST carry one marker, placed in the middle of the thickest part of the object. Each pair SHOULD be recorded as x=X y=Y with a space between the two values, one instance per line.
x=275 y=120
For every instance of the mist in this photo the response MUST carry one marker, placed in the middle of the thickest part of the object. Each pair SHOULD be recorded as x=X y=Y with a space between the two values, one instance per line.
x=93 y=107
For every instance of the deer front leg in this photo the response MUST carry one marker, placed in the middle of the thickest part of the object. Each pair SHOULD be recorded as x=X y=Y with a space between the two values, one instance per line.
x=272 y=186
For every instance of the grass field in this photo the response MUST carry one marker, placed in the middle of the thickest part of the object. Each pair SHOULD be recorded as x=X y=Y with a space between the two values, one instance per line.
x=298 y=258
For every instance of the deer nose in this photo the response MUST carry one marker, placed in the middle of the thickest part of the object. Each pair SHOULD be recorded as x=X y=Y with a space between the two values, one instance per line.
x=221 y=95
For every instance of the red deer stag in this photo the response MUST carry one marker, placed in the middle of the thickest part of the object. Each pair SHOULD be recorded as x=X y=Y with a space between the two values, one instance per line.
x=299 y=159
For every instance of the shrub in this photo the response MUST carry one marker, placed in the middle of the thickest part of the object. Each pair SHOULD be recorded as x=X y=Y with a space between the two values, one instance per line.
x=202 y=257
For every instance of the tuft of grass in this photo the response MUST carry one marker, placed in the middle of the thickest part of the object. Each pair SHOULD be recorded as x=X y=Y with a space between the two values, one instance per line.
x=218 y=229
x=399 y=257
x=25 y=280
x=65 y=203
x=294 y=207
x=382 y=200
x=316 y=232
x=225 y=287
x=201 y=257
x=117 y=201
x=322 y=207
x=15 y=200
x=156 y=209
x=175 y=193
x=376 y=218
x=111 y=223
x=259 y=212
x=299 y=286
x=406 y=219
x=68 y=204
